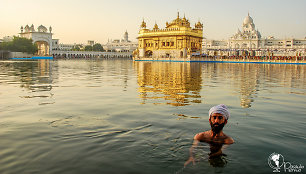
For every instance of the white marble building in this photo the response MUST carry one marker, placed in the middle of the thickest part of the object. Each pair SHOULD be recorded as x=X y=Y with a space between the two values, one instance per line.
x=42 y=37
x=249 y=41
x=123 y=45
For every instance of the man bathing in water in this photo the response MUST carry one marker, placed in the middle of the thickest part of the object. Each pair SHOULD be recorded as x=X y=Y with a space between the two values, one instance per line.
x=218 y=116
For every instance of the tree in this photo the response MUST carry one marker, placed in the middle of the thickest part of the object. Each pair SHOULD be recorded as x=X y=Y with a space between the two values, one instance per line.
x=76 y=48
x=97 y=47
x=88 y=48
x=19 y=44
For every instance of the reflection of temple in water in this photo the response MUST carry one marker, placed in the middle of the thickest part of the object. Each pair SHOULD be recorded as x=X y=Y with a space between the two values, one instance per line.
x=176 y=83
x=36 y=76
x=249 y=79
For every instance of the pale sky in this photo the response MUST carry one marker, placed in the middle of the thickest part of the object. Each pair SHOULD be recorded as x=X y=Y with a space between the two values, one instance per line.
x=76 y=21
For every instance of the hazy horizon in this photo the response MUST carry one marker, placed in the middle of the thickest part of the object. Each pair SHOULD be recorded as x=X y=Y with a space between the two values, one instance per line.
x=99 y=20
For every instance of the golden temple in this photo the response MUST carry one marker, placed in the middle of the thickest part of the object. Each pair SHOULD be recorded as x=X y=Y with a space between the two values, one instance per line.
x=178 y=41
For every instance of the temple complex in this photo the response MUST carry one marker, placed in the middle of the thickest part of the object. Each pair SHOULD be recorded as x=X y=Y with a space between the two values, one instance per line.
x=178 y=41
x=249 y=42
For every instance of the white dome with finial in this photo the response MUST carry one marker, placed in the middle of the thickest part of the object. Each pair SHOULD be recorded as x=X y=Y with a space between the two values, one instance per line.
x=42 y=28
x=248 y=20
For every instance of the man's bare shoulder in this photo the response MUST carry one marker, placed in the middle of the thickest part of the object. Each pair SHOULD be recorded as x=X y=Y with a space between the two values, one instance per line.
x=202 y=135
x=229 y=140
x=206 y=137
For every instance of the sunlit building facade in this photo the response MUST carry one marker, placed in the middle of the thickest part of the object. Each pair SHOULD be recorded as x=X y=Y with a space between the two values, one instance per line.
x=249 y=41
x=123 y=45
x=178 y=40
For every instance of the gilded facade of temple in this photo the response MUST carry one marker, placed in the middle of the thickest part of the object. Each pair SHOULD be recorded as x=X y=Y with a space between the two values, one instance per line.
x=178 y=41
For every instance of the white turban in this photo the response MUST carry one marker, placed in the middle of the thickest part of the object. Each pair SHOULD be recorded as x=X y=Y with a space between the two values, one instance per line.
x=221 y=109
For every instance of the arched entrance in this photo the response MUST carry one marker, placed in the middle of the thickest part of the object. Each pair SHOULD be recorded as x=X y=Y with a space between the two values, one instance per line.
x=41 y=37
x=253 y=46
x=43 y=48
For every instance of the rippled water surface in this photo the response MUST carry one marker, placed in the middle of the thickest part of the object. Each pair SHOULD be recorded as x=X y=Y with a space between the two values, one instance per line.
x=120 y=116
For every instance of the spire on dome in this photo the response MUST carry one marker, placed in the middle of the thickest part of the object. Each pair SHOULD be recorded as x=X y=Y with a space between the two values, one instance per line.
x=126 y=36
x=27 y=28
x=143 y=24
x=248 y=20
x=32 y=28
x=155 y=26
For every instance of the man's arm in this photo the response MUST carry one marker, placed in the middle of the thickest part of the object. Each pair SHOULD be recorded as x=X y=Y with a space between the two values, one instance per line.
x=195 y=144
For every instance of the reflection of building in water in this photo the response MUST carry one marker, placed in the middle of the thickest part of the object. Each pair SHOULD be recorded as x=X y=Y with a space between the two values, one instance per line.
x=255 y=76
x=248 y=85
x=36 y=76
x=244 y=78
x=178 y=83
x=249 y=79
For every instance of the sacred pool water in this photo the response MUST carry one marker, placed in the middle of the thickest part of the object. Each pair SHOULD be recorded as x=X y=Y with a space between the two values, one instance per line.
x=120 y=116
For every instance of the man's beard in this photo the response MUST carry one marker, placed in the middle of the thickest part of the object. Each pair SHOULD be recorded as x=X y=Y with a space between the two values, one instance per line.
x=216 y=128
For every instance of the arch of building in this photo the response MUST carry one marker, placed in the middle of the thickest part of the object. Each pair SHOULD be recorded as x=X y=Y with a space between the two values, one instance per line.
x=41 y=37
x=43 y=47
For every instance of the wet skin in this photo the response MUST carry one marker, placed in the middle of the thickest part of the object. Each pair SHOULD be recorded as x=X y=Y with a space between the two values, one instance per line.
x=214 y=137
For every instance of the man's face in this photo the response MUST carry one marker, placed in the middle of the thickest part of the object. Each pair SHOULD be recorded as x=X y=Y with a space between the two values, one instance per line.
x=217 y=122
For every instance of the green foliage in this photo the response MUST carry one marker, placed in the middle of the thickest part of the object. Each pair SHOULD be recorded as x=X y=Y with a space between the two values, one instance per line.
x=88 y=48
x=97 y=47
x=76 y=48
x=19 y=44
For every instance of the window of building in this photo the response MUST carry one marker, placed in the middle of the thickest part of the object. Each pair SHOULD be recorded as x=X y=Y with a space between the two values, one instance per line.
x=163 y=44
x=172 y=43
